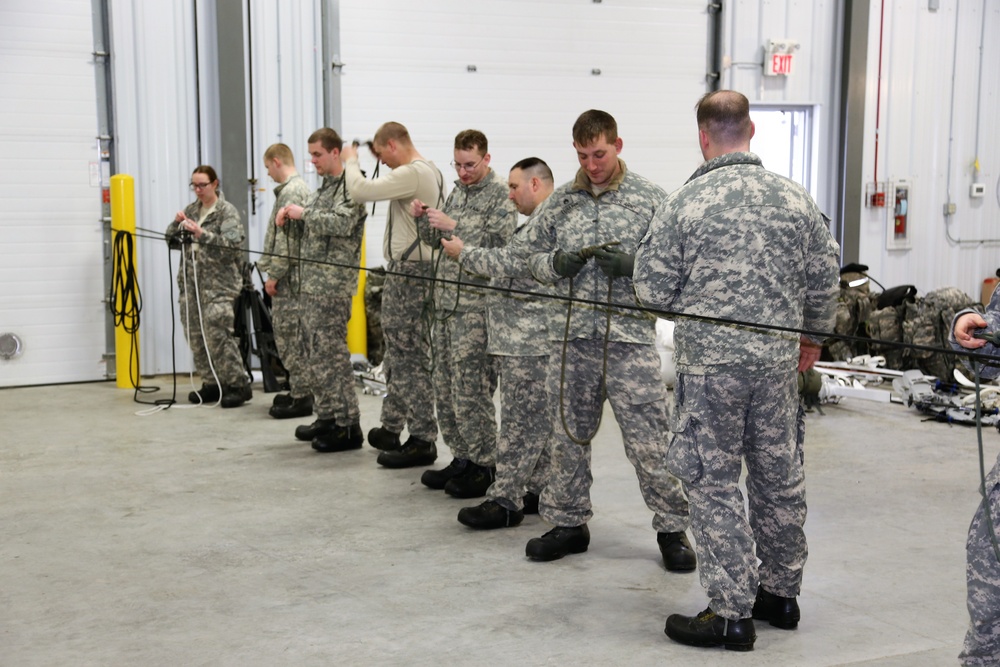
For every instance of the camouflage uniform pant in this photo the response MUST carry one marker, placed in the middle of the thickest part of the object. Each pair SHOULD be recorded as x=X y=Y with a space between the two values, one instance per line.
x=638 y=399
x=289 y=335
x=718 y=422
x=523 y=442
x=409 y=402
x=216 y=321
x=982 y=572
x=465 y=378
x=327 y=371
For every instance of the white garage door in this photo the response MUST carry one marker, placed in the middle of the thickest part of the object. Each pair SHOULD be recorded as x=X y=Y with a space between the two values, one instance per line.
x=51 y=260
x=522 y=71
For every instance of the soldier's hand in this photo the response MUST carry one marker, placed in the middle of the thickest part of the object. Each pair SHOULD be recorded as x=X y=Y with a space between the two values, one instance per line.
x=180 y=216
x=567 y=264
x=965 y=326
x=808 y=353
x=614 y=263
x=348 y=152
x=417 y=208
x=440 y=221
x=452 y=247
x=271 y=286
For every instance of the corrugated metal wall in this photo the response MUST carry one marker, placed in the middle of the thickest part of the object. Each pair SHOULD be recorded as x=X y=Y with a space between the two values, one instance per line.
x=933 y=97
x=51 y=258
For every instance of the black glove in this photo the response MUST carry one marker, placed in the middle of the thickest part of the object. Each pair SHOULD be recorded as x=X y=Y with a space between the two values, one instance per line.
x=567 y=264
x=614 y=263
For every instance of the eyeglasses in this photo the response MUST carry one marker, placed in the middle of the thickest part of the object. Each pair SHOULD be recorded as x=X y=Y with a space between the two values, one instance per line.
x=200 y=186
x=468 y=166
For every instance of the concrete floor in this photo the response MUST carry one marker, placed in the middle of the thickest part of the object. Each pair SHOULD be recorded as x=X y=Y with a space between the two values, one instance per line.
x=212 y=537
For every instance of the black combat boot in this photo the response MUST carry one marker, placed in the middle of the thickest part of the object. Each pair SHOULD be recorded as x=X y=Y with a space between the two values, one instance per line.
x=706 y=630
x=678 y=556
x=473 y=482
x=436 y=479
x=489 y=515
x=558 y=542
x=414 y=452
x=234 y=397
x=530 y=503
x=337 y=440
x=384 y=439
x=308 y=432
x=282 y=399
x=209 y=394
x=357 y=435
x=781 y=612
x=297 y=407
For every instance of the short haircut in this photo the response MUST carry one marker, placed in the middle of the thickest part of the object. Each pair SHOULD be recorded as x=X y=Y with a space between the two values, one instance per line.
x=279 y=152
x=534 y=167
x=724 y=115
x=468 y=140
x=592 y=125
x=326 y=137
x=208 y=171
x=394 y=131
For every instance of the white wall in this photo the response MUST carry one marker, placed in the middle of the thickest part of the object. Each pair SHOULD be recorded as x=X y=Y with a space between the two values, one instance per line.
x=51 y=258
x=408 y=62
x=814 y=82
x=928 y=119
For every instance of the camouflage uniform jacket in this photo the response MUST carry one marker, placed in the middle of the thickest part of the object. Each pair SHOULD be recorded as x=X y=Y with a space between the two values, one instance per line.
x=333 y=226
x=282 y=245
x=518 y=323
x=992 y=317
x=219 y=250
x=739 y=242
x=574 y=219
x=484 y=217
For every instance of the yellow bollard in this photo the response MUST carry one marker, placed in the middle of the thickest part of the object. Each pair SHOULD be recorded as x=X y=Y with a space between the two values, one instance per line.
x=357 y=327
x=126 y=343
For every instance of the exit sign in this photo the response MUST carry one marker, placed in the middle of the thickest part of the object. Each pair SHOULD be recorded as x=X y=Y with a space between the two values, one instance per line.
x=779 y=64
x=779 y=56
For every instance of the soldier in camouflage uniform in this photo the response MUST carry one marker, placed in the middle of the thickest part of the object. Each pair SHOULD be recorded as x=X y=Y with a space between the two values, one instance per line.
x=982 y=572
x=739 y=242
x=519 y=341
x=331 y=228
x=280 y=261
x=605 y=203
x=465 y=375
x=211 y=274
x=406 y=311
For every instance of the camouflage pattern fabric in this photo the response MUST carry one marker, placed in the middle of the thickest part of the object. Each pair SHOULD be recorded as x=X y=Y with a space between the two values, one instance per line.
x=982 y=571
x=214 y=260
x=280 y=261
x=282 y=245
x=886 y=324
x=718 y=422
x=854 y=307
x=523 y=442
x=739 y=242
x=702 y=256
x=406 y=310
x=638 y=399
x=330 y=233
x=927 y=322
x=573 y=219
x=465 y=378
x=329 y=374
x=485 y=218
x=374 y=284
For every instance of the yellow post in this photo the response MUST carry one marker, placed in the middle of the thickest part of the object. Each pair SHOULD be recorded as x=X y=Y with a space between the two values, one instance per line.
x=126 y=347
x=357 y=327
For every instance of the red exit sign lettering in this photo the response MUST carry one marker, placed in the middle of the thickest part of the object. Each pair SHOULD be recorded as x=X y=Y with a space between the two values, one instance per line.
x=779 y=64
